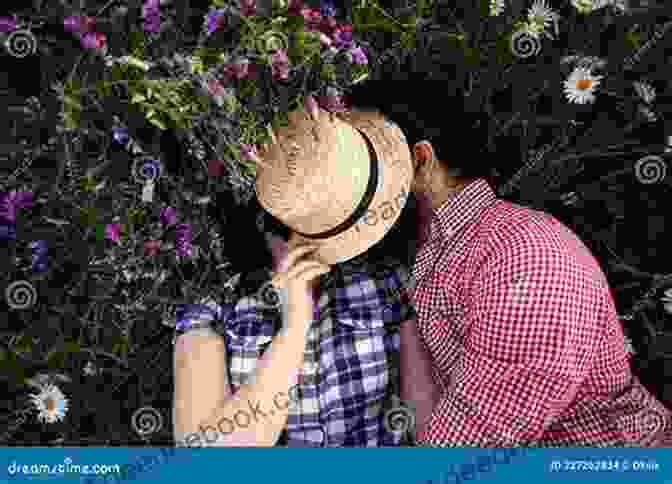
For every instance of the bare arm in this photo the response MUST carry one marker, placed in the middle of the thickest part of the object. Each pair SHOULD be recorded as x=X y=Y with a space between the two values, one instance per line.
x=417 y=383
x=205 y=410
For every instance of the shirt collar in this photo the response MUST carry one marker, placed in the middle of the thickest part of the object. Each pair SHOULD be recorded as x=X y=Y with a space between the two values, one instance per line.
x=460 y=209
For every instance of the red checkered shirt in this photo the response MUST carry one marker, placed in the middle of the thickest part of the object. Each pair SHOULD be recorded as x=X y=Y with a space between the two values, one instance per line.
x=520 y=323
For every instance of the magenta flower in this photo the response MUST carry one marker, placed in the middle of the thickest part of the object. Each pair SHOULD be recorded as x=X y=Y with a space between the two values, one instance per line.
x=357 y=56
x=78 y=24
x=343 y=37
x=8 y=25
x=152 y=16
x=333 y=101
x=93 y=40
x=112 y=232
x=238 y=70
x=248 y=8
x=280 y=65
x=294 y=7
x=13 y=201
x=152 y=248
x=168 y=216
x=215 y=19
x=183 y=246
x=325 y=41
x=312 y=19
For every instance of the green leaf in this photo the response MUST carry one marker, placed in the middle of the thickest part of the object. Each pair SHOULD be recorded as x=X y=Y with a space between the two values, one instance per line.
x=158 y=123
x=72 y=346
x=137 y=98
x=23 y=344
x=56 y=360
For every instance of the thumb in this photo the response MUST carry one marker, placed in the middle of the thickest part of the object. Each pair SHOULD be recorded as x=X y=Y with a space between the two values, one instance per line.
x=279 y=249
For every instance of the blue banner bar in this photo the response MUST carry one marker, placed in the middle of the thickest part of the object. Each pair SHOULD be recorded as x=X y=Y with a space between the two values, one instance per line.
x=336 y=466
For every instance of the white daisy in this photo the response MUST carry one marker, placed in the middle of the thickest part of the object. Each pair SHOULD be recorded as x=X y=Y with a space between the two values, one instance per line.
x=539 y=16
x=50 y=403
x=628 y=345
x=580 y=86
x=90 y=369
x=645 y=90
x=497 y=7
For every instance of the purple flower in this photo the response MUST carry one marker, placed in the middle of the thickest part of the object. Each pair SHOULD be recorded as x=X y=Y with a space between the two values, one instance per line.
x=183 y=246
x=343 y=37
x=120 y=135
x=248 y=7
x=357 y=56
x=148 y=169
x=7 y=232
x=168 y=216
x=112 y=232
x=39 y=255
x=327 y=9
x=280 y=64
x=215 y=19
x=13 y=201
x=152 y=16
x=8 y=25
x=93 y=40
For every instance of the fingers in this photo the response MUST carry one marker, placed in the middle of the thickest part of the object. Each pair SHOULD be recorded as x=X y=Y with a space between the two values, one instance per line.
x=300 y=271
x=295 y=254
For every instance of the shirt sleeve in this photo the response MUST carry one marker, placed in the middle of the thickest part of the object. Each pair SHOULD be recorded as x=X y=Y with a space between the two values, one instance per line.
x=531 y=330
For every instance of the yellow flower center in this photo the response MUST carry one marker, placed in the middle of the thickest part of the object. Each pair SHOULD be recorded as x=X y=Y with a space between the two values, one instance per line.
x=584 y=84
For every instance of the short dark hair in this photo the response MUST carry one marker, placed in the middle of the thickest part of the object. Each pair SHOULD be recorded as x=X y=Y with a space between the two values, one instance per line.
x=436 y=111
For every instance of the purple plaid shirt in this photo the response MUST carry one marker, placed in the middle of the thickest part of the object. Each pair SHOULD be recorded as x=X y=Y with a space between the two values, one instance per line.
x=350 y=376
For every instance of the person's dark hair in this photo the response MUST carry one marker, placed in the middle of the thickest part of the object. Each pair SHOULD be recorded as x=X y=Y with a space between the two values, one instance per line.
x=436 y=111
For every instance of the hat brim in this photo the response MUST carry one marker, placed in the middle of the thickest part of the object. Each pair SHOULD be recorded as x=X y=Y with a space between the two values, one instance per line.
x=395 y=175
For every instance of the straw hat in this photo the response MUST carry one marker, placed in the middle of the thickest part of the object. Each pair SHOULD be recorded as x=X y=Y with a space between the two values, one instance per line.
x=337 y=180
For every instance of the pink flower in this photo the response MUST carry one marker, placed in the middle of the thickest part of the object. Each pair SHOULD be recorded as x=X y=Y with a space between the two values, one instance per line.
x=249 y=152
x=152 y=247
x=311 y=106
x=280 y=64
x=248 y=8
x=332 y=102
x=215 y=88
x=312 y=19
x=294 y=7
x=215 y=168
x=325 y=41
x=112 y=232
x=238 y=70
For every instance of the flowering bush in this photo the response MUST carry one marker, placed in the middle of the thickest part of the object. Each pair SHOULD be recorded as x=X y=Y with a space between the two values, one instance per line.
x=111 y=188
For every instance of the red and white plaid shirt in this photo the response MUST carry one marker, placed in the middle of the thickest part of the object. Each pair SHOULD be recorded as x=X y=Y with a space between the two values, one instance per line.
x=521 y=326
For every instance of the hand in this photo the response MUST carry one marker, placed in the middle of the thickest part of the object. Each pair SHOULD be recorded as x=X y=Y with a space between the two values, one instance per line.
x=295 y=276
